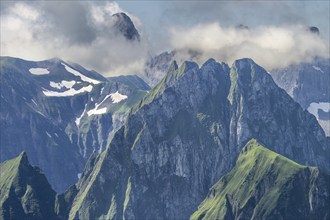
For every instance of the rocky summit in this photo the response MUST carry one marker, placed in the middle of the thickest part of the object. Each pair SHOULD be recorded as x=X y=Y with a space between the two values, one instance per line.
x=187 y=133
x=24 y=191
x=179 y=145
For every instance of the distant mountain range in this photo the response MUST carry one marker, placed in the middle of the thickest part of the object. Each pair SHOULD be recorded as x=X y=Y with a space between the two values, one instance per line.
x=178 y=146
x=59 y=113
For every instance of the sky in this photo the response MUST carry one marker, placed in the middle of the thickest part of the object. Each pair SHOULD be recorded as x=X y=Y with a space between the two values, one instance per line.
x=82 y=31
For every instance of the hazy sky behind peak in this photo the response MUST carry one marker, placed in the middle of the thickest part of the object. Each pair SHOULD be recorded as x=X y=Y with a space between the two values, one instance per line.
x=80 y=31
x=163 y=14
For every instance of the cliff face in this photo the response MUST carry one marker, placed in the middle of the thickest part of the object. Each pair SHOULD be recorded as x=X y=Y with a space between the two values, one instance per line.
x=308 y=84
x=186 y=133
x=266 y=185
x=260 y=109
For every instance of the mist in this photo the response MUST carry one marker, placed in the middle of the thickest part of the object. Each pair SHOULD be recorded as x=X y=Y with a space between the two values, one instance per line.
x=80 y=32
x=270 y=46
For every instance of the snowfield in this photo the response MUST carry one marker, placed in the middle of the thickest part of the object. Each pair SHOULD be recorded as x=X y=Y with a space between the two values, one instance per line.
x=117 y=97
x=39 y=71
x=69 y=92
x=314 y=107
x=82 y=77
x=97 y=111
x=64 y=83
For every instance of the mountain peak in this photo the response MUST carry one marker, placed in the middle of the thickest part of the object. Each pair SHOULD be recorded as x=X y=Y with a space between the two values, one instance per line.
x=173 y=66
x=246 y=72
x=125 y=26
x=260 y=183
x=186 y=66
x=244 y=63
x=23 y=159
x=314 y=30
x=25 y=191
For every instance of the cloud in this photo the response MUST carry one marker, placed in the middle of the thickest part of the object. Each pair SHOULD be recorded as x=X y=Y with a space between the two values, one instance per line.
x=270 y=46
x=80 y=32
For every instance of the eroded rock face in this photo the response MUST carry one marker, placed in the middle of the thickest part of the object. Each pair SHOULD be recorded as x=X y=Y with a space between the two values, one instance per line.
x=187 y=133
x=307 y=84
x=262 y=110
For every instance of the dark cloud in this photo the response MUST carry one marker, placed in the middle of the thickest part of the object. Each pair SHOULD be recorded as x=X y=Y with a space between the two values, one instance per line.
x=69 y=19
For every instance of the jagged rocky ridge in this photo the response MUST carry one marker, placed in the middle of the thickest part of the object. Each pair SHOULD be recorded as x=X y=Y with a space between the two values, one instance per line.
x=266 y=185
x=44 y=115
x=187 y=133
x=306 y=82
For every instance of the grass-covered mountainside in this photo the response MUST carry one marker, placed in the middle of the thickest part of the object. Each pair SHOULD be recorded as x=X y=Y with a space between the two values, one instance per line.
x=24 y=191
x=266 y=185
x=262 y=185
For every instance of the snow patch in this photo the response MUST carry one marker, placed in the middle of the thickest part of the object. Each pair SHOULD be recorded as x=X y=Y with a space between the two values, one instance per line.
x=82 y=77
x=117 y=97
x=96 y=111
x=64 y=83
x=79 y=175
x=34 y=101
x=48 y=134
x=68 y=84
x=318 y=69
x=69 y=92
x=56 y=85
x=39 y=71
x=314 y=107
x=79 y=118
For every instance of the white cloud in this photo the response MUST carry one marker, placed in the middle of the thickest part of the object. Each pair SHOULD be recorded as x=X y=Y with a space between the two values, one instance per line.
x=269 y=46
x=99 y=13
x=80 y=32
x=25 y=11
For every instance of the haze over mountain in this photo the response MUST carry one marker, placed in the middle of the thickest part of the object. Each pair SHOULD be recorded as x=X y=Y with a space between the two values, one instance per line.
x=90 y=35
x=59 y=113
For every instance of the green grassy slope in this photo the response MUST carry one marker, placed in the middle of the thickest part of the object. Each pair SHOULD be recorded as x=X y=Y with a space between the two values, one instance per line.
x=266 y=185
x=24 y=191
